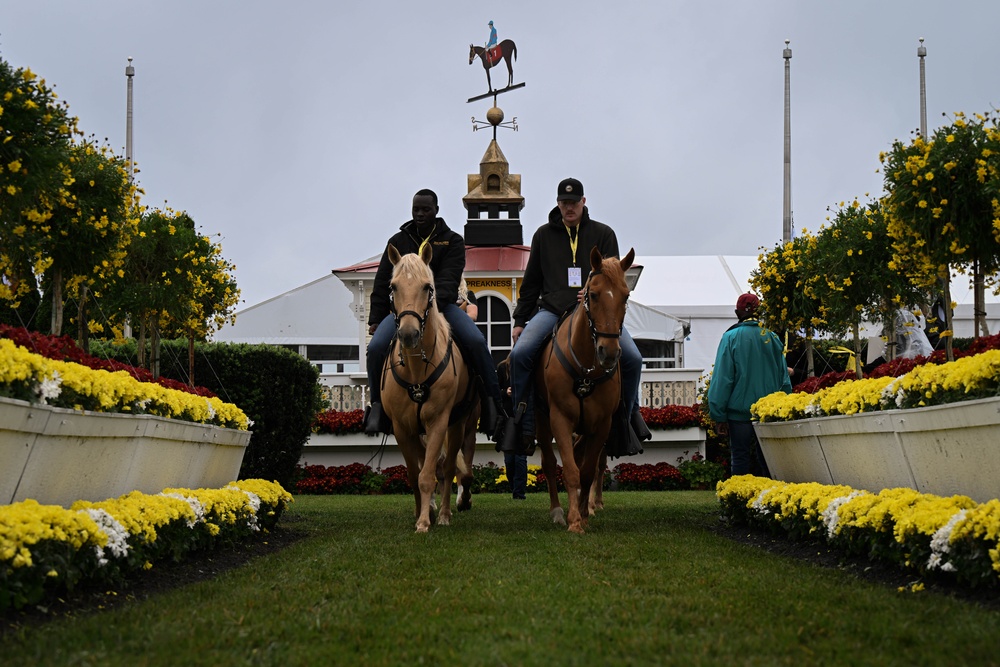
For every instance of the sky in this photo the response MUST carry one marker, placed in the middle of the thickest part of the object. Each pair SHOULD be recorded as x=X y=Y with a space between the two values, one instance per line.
x=296 y=133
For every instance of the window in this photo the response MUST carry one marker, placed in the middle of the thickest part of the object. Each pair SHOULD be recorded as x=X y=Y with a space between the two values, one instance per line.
x=495 y=323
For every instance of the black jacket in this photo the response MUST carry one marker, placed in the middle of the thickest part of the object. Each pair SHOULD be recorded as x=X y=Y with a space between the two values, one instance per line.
x=447 y=264
x=546 y=279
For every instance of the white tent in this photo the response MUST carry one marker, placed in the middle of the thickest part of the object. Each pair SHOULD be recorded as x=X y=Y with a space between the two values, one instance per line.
x=701 y=289
x=317 y=313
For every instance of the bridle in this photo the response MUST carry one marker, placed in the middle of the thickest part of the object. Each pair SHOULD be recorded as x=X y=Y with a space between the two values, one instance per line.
x=422 y=319
x=420 y=392
x=583 y=384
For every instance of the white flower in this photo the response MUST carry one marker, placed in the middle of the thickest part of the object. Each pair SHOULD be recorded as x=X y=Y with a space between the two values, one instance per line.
x=211 y=410
x=196 y=507
x=254 y=505
x=758 y=502
x=49 y=388
x=941 y=544
x=117 y=535
x=830 y=515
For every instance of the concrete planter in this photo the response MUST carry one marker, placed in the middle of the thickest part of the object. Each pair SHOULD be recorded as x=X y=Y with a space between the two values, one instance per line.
x=793 y=452
x=944 y=450
x=58 y=456
x=340 y=450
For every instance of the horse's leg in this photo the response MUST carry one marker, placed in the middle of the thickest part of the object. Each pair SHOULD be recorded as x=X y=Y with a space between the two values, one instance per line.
x=427 y=480
x=510 y=70
x=464 y=493
x=592 y=446
x=453 y=443
x=544 y=437
x=597 y=490
x=411 y=457
x=562 y=429
x=486 y=66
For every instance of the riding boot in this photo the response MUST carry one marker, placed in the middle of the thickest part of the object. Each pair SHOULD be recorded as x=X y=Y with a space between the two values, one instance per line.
x=510 y=438
x=376 y=421
x=488 y=417
x=639 y=425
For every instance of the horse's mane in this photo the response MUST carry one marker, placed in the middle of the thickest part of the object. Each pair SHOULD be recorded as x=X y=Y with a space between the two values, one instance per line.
x=413 y=269
x=612 y=269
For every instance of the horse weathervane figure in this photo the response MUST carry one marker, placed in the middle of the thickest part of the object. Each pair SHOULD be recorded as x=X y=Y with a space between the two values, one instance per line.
x=490 y=56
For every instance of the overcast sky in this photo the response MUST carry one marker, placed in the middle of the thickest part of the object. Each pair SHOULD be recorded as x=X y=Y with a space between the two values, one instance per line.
x=299 y=131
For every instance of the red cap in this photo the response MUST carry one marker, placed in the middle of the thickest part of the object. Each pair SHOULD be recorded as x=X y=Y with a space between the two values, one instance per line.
x=747 y=302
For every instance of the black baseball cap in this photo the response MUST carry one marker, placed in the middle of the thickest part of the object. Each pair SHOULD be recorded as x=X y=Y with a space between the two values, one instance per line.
x=569 y=189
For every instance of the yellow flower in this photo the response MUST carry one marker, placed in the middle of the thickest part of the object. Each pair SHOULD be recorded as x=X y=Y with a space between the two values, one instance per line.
x=950 y=138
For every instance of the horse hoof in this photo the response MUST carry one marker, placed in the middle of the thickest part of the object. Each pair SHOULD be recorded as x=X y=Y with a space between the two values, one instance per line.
x=576 y=528
x=444 y=519
x=558 y=516
x=422 y=529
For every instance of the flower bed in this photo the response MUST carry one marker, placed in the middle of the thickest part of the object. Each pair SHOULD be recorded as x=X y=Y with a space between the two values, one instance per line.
x=46 y=549
x=335 y=422
x=696 y=473
x=932 y=535
x=64 y=348
x=964 y=379
x=32 y=377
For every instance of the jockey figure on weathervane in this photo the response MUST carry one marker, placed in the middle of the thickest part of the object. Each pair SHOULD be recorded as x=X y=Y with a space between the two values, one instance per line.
x=492 y=44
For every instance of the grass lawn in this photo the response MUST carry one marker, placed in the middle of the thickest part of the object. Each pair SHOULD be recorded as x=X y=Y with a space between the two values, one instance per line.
x=653 y=582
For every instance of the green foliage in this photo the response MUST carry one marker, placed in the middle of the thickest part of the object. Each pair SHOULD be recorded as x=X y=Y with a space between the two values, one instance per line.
x=700 y=473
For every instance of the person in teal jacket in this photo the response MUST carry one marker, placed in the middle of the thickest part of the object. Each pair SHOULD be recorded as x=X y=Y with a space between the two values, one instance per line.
x=749 y=365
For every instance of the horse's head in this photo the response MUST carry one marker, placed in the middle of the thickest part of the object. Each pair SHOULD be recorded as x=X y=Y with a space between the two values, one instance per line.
x=605 y=300
x=411 y=294
x=472 y=53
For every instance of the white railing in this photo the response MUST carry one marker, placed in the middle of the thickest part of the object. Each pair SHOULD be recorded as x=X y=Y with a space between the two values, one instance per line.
x=659 y=387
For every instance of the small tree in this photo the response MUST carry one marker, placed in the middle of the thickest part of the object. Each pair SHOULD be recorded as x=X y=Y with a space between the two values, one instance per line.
x=781 y=279
x=858 y=279
x=89 y=231
x=35 y=135
x=940 y=210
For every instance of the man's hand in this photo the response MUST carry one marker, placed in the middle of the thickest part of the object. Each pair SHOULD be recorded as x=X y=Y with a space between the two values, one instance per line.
x=722 y=428
x=371 y=329
x=515 y=333
x=581 y=294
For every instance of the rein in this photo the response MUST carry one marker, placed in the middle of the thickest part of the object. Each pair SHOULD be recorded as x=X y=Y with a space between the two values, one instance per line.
x=420 y=392
x=583 y=384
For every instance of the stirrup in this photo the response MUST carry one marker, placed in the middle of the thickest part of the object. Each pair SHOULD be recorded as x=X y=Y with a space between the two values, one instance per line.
x=375 y=420
x=639 y=425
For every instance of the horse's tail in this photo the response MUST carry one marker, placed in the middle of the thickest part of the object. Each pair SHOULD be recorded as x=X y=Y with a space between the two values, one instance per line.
x=513 y=49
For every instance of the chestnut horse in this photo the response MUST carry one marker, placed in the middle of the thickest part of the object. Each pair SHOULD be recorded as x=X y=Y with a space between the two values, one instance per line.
x=507 y=51
x=581 y=383
x=429 y=379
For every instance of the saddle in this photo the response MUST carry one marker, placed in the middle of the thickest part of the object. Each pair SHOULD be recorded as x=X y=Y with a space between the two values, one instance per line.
x=494 y=54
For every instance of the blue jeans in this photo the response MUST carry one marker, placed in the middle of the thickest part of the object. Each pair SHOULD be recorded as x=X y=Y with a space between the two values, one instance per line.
x=746 y=456
x=465 y=332
x=516 y=466
x=525 y=352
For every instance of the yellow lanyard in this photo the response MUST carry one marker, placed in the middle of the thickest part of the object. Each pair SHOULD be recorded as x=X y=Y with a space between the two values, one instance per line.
x=574 y=241
x=420 y=248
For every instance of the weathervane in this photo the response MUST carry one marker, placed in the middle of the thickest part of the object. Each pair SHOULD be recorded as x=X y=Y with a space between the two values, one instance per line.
x=491 y=55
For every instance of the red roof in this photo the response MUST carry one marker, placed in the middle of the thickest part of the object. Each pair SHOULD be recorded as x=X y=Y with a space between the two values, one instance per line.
x=477 y=258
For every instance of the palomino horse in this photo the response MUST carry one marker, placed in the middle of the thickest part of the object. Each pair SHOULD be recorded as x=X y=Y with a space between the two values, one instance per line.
x=507 y=51
x=429 y=380
x=581 y=383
